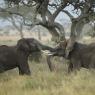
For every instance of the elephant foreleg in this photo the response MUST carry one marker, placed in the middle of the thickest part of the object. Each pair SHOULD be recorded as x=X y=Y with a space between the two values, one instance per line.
x=70 y=68
x=24 y=69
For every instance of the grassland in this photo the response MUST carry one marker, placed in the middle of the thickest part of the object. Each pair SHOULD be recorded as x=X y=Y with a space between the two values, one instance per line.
x=44 y=82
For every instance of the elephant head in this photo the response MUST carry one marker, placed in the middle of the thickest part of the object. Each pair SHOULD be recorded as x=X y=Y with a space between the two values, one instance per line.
x=31 y=45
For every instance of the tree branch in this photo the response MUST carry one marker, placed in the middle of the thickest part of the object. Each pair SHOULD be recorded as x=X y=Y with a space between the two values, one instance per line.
x=58 y=10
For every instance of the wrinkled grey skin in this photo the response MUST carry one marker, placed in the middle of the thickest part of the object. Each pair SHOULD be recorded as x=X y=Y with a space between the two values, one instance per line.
x=81 y=56
x=17 y=56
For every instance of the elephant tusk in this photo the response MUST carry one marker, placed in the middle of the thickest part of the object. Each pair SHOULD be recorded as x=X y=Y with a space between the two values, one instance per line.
x=50 y=54
x=46 y=52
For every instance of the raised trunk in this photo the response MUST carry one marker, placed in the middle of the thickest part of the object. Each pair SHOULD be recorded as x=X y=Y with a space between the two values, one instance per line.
x=44 y=47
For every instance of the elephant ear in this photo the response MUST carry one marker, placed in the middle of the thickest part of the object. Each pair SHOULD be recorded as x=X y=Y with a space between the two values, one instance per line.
x=23 y=45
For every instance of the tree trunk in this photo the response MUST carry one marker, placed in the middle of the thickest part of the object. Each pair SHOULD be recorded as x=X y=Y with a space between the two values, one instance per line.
x=39 y=34
x=21 y=34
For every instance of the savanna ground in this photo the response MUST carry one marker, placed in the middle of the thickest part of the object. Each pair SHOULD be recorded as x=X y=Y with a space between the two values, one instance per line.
x=44 y=82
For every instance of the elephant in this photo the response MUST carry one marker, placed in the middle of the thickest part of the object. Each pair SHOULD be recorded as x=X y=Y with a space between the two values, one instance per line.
x=81 y=56
x=17 y=56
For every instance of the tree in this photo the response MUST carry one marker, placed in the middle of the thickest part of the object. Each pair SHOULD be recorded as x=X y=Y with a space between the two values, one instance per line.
x=85 y=10
x=18 y=25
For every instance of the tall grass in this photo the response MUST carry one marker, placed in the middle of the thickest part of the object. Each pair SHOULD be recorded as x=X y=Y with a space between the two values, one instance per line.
x=44 y=82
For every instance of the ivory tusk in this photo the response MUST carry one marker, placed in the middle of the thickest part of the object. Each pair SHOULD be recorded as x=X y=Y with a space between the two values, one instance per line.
x=46 y=52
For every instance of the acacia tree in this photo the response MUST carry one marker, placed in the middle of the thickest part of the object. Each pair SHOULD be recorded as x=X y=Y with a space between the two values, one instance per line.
x=85 y=10
x=18 y=25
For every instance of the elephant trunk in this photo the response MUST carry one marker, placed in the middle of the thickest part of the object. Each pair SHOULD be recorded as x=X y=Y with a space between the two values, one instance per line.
x=47 y=48
x=44 y=47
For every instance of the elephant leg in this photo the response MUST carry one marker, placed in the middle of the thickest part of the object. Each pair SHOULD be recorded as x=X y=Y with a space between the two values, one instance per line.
x=24 y=69
x=2 y=69
x=92 y=65
x=20 y=71
x=74 y=65
x=70 y=68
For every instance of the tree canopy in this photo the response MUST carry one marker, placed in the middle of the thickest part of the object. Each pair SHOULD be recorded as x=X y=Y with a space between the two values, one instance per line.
x=48 y=10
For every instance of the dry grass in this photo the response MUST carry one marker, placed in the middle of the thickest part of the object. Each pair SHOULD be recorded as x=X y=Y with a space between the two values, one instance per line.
x=44 y=82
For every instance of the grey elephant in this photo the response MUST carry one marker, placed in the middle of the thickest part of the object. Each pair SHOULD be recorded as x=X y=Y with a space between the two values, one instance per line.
x=81 y=55
x=17 y=56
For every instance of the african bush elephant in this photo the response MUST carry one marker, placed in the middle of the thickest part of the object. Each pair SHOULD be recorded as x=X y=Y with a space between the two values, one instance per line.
x=81 y=55
x=17 y=56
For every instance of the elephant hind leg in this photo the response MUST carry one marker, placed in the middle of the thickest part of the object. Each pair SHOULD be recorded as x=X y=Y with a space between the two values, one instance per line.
x=70 y=68
x=20 y=72
x=92 y=65
x=2 y=69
